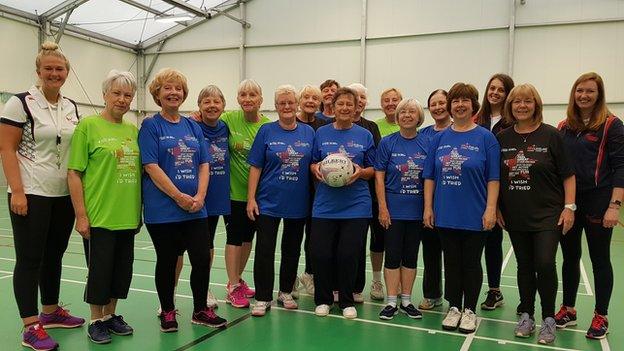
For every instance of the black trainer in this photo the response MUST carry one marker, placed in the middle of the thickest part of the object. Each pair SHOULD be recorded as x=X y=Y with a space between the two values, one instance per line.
x=411 y=311
x=494 y=299
x=98 y=333
x=118 y=326
x=388 y=312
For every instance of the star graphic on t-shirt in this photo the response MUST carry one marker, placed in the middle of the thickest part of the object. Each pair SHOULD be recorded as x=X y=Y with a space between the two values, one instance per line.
x=519 y=165
x=453 y=161
x=290 y=158
x=183 y=154
x=217 y=153
x=410 y=171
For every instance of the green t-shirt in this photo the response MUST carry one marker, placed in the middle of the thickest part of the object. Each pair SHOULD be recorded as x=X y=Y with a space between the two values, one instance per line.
x=107 y=154
x=242 y=135
x=385 y=128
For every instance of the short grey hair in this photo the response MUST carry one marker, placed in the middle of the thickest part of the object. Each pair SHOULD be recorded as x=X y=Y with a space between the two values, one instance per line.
x=359 y=88
x=285 y=89
x=250 y=85
x=122 y=78
x=210 y=91
x=311 y=89
x=405 y=104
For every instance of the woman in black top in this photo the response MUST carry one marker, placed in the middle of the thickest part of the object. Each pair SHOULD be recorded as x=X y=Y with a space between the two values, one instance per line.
x=490 y=118
x=595 y=139
x=537 y=180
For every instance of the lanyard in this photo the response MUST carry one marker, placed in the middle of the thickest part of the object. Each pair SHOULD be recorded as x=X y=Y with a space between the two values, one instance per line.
x=58 y=127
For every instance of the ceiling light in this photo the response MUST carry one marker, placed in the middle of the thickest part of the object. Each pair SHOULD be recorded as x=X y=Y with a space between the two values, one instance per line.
x=173 y=18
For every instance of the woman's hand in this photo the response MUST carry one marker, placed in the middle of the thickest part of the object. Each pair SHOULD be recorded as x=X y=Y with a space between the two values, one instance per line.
x=566 y=220
x=185 y=201
x=83 y=227
x=611 y=218
x=19 y=204
x=316 y=171
x=384 y=216
x=252 y=209
x=499 y=218
x=198 y=204
x=357 y=173
x=196 y=116
x=428 y=218
x=489 y=218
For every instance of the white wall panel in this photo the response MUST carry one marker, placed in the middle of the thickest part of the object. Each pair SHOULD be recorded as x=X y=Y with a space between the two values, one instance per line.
x=420 y=65
x=567 y=10
x=217 y=32
x=425 y=16
x=18 y=56
x=200 y=68
x=288 y=21
x=552 y=58
x=299 y=65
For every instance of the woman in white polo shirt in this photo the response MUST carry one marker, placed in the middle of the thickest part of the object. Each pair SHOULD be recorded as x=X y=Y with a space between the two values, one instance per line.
x=35 y=134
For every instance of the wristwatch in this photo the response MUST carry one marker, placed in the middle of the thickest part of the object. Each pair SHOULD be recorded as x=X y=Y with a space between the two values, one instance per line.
x=571 y=207
x=617 y=203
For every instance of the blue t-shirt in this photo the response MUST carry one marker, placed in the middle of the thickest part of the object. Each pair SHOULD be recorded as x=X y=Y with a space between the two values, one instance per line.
x=320 y=115
x=352 y=201
x=178 y=149
x=403 y=161
x=284 y=156
x=461 y=164
x=218 y=196
x=429 y=131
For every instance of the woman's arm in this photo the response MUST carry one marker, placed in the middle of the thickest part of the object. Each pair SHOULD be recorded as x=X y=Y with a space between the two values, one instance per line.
x=489 y=216
x=252 y=187
x=76 y=191
x=380 y=190
x=10 y=137
x=612 y=215
x=202 y=187
x=164 y=184
x=428 y=215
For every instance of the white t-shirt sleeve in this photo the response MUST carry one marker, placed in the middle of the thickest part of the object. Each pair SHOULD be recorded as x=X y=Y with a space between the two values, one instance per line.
x=13 y=112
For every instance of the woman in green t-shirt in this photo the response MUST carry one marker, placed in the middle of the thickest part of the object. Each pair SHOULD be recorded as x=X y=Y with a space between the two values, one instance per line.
x=105 y=186
x=243 y=126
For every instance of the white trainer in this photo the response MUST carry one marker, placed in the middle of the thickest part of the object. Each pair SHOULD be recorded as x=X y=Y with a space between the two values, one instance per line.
x=468 y=321
x=451 y=321
x=260 y=308
x=211 y=301
x=349 y=313
x=287 y=301
x=377 y=290
x=322 y=310
x=307 y=280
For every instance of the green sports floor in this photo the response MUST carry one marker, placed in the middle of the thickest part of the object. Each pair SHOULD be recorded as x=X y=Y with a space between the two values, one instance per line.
x=299 y=329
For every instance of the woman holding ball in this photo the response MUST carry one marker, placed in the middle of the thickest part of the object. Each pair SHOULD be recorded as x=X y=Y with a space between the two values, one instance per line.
x=340 y=215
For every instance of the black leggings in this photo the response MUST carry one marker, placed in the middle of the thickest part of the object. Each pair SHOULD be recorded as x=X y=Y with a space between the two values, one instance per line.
x=599 y=245
x=169 y=240
x=463 y=274
x=494 y=256
x=402 y=241
x=432 y=259
x=537 y=269
x=264 y=264
x=40 y=239
x=306 y=246
x=336 y=245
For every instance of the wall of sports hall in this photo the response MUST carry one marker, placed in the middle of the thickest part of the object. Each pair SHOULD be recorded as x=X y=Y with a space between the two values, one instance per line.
x=414 y=45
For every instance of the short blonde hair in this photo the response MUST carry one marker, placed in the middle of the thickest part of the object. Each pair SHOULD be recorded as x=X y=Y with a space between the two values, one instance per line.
x=50 y=49
x=309 y=89
x=404 y=104
x=121 y=78
x=389 y=90
x=166 y=75
x=210 y=91
x=285 y=89
x=359 y=88
x=250 y=85
x=523 y=90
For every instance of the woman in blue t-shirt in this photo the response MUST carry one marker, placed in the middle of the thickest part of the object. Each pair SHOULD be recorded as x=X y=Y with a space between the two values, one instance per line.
x=278 y=189
x=398 y=167
x=461 y=188
x=175 y=159
x=340 y=215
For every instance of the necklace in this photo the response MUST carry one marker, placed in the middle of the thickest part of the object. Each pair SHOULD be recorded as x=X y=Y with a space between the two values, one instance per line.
x=525 y=135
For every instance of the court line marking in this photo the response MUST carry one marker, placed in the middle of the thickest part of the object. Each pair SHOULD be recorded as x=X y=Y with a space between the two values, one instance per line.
x=588 y=288
x=503 y=342
x=604 y=344
x=213 y=333
x=507 y=258
x=468 y=341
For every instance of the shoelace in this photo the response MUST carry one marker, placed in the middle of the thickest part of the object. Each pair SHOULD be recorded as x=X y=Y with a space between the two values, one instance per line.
x=171 y=315
x=561 y=314
x=550 y=328
x=39 y=332
x=598 y=322
x=239 y=292
x=208 y=312
x=524 y=322
x=287 y=298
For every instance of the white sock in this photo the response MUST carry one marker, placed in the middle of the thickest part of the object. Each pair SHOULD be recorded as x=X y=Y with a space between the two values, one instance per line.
x=392 y=300
x=406 y=299
x=107 y=317
x=95 y=320
x=377 y=276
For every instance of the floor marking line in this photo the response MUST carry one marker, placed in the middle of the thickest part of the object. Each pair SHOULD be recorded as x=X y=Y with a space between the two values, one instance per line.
x=588 y=288
x=507 y=258
x=6 y=276
x=214 y=332
x=604 y=344
x=526 y=344
x=466 y=345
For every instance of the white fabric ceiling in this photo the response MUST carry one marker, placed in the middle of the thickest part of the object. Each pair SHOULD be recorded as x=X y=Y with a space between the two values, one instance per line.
x=114 y=18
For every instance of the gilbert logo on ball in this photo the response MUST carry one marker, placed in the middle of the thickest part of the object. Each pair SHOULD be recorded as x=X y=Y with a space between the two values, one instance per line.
x=336 y=169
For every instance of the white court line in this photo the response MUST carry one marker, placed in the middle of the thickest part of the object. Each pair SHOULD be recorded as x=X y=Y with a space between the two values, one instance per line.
x=506 y=260
x=588 y=288
x=503 y=342
x=604 y=343
x=468 y=341
x=6 y=276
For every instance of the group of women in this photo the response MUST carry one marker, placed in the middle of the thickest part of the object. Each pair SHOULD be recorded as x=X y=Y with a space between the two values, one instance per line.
x=454 y=186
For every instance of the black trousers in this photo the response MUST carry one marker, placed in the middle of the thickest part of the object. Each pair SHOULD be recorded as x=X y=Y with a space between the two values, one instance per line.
x=169 y=240
x=110 y=257
x=336 y=245
x=432 y=259
x=40 y=239
x=599 y=245
x=463 y=274
x=306 y=245
x=537 y=269
x=402 y=241
x=264 y=263
x=494 y=256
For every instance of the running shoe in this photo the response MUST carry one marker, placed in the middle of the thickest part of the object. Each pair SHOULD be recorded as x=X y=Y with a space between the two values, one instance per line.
x=60 y=318
x=411 y=311
x=599 y=327
x=168 y=322
x=249 y=292
x=547 y=331
x=260 y=308
x=118 y=326
x=377 y=291
x=358 y=297
x=468 y=321
x=452 y=319
x=428 y=304
x=236 y=297
x=37 y=338
x=565 y=318
x=287 y=300
x=525 y=327
x=388 y=312
x=322 y=310
x=295 y=289
x=307 y=280
x=494 y=299
x=98 y=333
x=209 y=318
x=349 y=312
x=211 y=301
